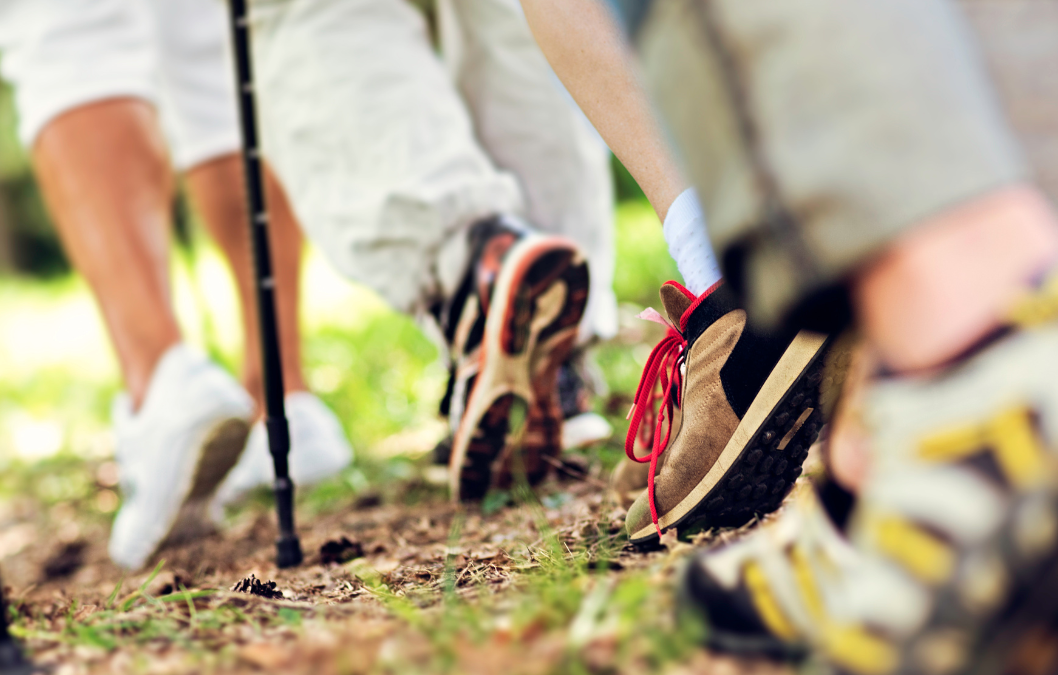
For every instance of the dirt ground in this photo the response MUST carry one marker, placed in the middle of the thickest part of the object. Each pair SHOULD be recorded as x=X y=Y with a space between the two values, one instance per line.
x=537 y=587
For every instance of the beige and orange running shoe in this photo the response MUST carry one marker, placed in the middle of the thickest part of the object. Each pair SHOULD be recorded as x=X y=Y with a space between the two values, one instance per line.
x=512 y=324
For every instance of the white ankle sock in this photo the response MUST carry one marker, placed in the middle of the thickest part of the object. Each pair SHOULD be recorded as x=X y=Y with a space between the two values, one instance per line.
x=689 y=243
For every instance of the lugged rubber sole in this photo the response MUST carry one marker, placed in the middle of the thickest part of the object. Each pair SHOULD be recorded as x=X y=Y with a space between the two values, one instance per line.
x=763 y=459
x=537 y=303
x=221 y=449
x=533 y=454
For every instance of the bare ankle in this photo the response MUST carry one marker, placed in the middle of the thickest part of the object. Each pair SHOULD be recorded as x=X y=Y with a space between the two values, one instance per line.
x=139 y=366
x=254 y=385
x=947 y=284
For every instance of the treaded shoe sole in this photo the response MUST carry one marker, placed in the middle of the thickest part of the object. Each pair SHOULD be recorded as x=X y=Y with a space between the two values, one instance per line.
x=537 y=301
x=527 y=455
x=693 y=585
x=763 y=459
x=221 y=449
x=543 y=435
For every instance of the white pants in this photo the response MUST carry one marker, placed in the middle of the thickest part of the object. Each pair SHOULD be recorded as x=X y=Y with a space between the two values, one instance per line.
x=389 y=153
x=63 y=54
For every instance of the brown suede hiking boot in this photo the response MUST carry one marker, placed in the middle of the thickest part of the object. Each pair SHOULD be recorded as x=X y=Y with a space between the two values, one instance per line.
x=739 y=412
x=510 y=326
x=630 y=477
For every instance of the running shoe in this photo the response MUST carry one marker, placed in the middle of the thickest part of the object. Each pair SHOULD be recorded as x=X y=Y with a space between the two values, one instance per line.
x=510 y=327
x=950 y=563
x=580 y=427
x=173 y=452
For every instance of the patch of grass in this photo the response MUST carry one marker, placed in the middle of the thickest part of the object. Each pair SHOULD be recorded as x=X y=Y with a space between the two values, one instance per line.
x=381 y=378
x=198 y=622
x=563 y=614
x=565 y=611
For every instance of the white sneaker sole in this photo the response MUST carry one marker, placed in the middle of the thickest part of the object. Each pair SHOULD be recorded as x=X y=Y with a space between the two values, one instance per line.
x=218 y=453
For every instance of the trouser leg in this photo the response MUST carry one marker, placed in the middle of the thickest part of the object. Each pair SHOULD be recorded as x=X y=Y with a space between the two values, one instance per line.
x=374 y=144
x=530 y=126
x=1020 y=43
x=819 y=131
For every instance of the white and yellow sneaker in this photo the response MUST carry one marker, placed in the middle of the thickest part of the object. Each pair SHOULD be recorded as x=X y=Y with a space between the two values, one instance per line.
x=950 y=564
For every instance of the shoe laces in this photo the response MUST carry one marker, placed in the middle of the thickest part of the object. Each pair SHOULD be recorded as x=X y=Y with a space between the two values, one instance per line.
x=656 y=397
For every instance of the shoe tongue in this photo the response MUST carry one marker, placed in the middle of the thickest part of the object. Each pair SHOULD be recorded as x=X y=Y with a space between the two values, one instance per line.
x=708 y=307
x=675 y=302
x=491 y=240
x=490 y=262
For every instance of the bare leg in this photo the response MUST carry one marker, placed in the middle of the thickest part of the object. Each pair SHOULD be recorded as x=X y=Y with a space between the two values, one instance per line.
x=587 y=51
x=218 y=192
x=105 y=175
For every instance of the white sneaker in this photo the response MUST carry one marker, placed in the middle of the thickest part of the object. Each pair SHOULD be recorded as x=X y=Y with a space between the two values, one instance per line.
x=174 y=451
x=585 y=429
x=318 y=450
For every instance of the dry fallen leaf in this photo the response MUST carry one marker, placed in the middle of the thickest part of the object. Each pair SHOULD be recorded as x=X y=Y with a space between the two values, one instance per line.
x=265 y=655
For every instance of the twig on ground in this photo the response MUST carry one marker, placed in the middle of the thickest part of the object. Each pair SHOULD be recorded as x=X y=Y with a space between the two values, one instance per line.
x=585 y=477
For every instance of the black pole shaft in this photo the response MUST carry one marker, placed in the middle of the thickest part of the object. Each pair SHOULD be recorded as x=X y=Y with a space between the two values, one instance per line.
x=12 y=660
x=288 y=548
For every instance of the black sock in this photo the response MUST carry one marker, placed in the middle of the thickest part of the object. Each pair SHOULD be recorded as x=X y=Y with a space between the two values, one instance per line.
x=836 y=500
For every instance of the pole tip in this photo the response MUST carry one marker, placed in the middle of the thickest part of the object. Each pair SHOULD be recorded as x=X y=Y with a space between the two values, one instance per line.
x=288 y=552
x=12 y=661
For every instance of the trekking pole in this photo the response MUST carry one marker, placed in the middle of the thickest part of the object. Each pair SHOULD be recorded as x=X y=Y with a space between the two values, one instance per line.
x=288 y=548
x=12 y=660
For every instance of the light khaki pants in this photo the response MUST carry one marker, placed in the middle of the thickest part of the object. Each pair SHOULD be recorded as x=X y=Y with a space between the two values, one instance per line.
x=391 y=151
x=817 y=131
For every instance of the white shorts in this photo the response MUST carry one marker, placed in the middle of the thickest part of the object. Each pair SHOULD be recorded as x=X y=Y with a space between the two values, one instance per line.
x=175 y=54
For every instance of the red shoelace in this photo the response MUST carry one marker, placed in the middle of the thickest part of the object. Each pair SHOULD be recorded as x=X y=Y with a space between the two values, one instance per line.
x=662 y=368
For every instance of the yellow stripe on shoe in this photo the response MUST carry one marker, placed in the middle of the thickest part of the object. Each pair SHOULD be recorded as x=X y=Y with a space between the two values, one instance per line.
x=857 y=651
x=766 y=603
x=922 y=554
x=1037 y=308
x=1011 y=437
x=806 y=582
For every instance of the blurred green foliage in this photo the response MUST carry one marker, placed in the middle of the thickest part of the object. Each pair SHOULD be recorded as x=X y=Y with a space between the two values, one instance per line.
x=28 y=242
x=626 y=189
x=12 y=157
